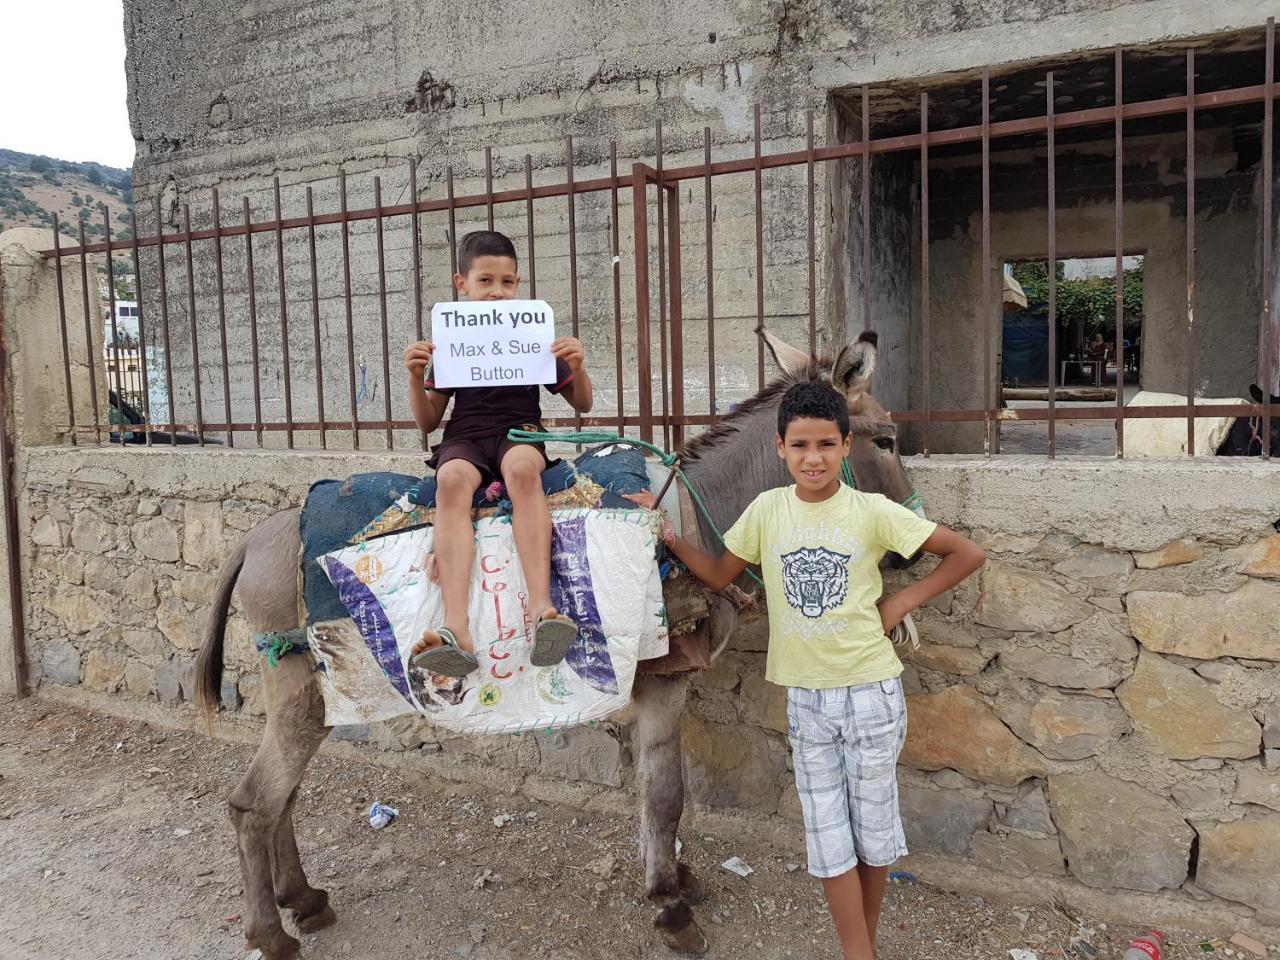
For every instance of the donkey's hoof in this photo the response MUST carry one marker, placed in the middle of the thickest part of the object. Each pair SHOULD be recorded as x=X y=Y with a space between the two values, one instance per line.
x=324 y=917
x=278 y=946
x=679 y=931
x=693 y=889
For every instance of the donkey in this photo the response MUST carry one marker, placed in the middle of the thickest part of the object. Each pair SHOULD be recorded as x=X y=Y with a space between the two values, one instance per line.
x=1244 y=439
x=735 y=458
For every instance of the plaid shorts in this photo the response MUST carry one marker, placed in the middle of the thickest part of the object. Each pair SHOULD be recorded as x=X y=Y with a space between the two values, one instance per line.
x=845 y=743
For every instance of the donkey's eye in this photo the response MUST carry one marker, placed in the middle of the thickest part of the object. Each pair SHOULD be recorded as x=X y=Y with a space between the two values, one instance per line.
x=884 y=443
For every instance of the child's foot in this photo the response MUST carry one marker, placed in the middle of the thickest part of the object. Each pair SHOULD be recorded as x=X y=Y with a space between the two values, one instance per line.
x=552 y=638
x=441 y=651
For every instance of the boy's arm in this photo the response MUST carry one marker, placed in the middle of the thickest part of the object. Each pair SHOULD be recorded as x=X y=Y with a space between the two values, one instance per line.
x=579 y=394
x=428 y=406
x=715 y=572
x=960 y=558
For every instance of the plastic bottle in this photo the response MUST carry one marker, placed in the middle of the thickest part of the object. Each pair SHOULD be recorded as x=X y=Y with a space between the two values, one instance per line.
x=1145 y=947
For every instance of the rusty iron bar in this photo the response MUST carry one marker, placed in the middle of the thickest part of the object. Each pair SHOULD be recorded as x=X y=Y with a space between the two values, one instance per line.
x=315 y=323
x=1119 y=142
x=708 y=230
x=222 y=313
x=88 y=338
x=253 y=324
x=573 y=250
x=452 y=207
x=924 y=263
x=617 y=282
x=644 y=359
x=1191 y=250
x=284 y=315
x=866 y=208
x=528 y=211
x=988 y=308
x=142 y=329
x=382 y=317
x=1051 y=165
x=191 y=316
x=14 y=551
x=1269 y=324
x=488 y=186
x=759 y=224
x=810 y=188
x=62 y=324
x=417 y=250
x=115 y=334
x=164 y=319
x=677 y=319
x=1095 y=116
x=346 y=299
x=662 y=289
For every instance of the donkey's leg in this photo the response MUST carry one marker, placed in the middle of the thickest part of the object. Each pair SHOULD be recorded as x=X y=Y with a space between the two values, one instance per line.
x=659 y=703
x=295 y=729
x=310 y=905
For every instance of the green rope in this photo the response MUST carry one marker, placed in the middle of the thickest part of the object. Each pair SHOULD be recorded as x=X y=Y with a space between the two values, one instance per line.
x=276 y=645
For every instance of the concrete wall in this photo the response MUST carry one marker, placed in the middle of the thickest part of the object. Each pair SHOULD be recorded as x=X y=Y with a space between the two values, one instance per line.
x=1101 y=704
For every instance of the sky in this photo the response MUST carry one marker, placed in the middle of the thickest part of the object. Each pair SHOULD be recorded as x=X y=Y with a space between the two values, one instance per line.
x=68 y=57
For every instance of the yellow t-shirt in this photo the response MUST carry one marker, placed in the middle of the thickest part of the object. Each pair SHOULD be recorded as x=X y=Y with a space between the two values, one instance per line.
x=821 y=565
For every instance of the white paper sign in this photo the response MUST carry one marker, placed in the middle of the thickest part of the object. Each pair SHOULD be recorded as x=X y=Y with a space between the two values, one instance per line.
x=493 y=343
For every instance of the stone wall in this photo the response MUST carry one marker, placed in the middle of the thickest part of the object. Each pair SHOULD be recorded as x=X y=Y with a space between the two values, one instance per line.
x=1100 y=707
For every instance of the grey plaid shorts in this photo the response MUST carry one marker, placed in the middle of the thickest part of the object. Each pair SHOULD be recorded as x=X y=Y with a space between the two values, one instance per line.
x=845 y=743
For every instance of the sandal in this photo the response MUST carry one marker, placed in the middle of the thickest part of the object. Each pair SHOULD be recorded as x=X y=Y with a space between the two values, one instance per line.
x=448 y=659
x=552 y=638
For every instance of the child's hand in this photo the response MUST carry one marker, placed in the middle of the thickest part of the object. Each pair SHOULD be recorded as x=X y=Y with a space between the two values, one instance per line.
x=644 y=498
x=570 y=350
x=417 y=357
x=890 y=614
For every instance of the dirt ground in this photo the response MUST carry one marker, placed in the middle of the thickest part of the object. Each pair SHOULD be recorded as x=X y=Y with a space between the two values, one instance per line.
x=117 y=845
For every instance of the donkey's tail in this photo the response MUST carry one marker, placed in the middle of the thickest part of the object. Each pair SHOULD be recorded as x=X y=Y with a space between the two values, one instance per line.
x=208 y=668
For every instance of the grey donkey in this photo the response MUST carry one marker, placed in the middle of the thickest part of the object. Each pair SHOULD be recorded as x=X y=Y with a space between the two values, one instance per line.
x=729 y=464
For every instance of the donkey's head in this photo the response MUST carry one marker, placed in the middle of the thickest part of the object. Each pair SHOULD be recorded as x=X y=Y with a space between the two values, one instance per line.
x=873 y=456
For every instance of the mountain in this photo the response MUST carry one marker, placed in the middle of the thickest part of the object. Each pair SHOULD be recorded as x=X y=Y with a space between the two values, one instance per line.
x=33 y=188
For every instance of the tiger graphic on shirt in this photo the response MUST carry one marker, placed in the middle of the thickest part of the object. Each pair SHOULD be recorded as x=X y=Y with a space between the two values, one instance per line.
x=815 y=580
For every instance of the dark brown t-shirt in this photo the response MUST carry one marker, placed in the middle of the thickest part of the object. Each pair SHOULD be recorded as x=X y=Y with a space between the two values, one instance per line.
x=483 y=412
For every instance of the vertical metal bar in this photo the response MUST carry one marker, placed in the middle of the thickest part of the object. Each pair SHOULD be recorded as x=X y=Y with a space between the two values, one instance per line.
x=346 y=296
x=222 y=317
x=1119 y=138
x=191 y=316
x=142 y=329
x=13 y=553
x=115 y=333
x=617 y=286
x=1191 y=250
x=1268 y=347
x=1053 y=267
x=709 y=215
x=315 y=321
x=528 y=213
x=677 y=319
x=453 y=232
x=284 y=319
x=253 y=323
x=759 y=212
x=488 y=184
x=813 y=242
x=164 y=320
x=866 y=208
x=924 y=264
x=417 y=251
x=988 y=308
x=662 y=290
x=573 y=250
x=382 y=316
x=88 y=338
x=644 y=359
x=62 y=324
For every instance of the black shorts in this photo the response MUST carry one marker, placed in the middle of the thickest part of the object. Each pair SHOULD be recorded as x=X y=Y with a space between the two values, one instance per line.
x=483 y=453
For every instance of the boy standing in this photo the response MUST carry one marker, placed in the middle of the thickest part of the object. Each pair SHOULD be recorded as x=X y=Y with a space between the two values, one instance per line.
x=475 y=451
x=819 y=545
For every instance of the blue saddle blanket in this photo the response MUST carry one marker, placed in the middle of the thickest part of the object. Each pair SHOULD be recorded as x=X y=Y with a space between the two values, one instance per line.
x=336 y=511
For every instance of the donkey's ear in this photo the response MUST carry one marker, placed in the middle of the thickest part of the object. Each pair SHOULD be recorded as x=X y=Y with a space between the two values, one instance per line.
x=788 y=358
x=1255 y=391
x=854 y=365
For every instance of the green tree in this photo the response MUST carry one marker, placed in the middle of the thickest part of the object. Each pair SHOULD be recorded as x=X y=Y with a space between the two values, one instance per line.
x=39 y=165
x=94 y=176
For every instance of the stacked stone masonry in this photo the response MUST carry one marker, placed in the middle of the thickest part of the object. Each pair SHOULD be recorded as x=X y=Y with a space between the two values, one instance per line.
x=1108 y=712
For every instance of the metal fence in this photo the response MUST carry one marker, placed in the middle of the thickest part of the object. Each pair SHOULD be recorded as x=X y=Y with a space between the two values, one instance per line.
x=652 y=397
